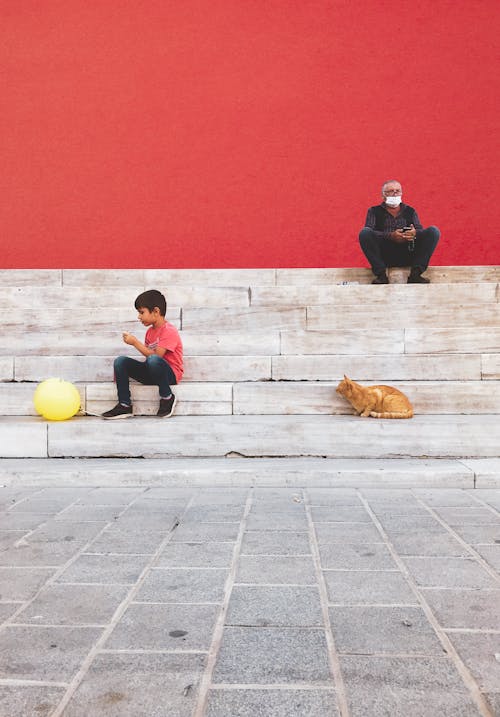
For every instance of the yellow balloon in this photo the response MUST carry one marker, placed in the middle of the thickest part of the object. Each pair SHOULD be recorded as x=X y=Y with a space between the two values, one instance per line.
x=56 y=400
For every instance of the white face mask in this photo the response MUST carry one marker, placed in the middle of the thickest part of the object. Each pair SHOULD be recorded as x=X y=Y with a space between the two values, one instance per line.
x=393 y=201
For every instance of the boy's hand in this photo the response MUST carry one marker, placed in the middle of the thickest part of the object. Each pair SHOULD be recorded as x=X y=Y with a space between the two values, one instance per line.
x=129 y=338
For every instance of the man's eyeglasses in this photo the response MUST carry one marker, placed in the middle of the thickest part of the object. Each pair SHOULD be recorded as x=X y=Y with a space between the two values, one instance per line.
x=393 y=192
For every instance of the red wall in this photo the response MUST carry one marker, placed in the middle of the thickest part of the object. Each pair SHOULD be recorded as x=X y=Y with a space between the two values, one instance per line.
x=244 y=133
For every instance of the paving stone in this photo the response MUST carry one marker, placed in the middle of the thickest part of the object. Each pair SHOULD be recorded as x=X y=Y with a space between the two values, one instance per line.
x=350 y=587
x=347 y=533
x=147 y=685
x=213 y=514
x=374 y=556
x=468 y=516
x=410 y=511
x=111 y=496
x=447 y=497
x=275 y=542
x=469 y=609
x=493 y=699
x=22 y=583
x=410 y=687
x=60 y=604
x=194 y=532
x=105 y=569
x=449 y=573
x=196 y=555
x=277 y=521
x=371 y=630
x=136 y=520
x=22 y=520
x=183 y=585
x=7 y=610
x=475 y=534
x=259 y=605
x=55 y=531
x=9 y=537
x=164 y=627
x=436 y=544
x=89 y=514
x=39 y=554
x=116 y=540
x=414 y=523
x=342 y=513
x=270 y=655
x=491 y=553
x=272 y=703
x=29 y=700
x=481 y=653
x=289 y=569
x=44 y=653
x=333 y=497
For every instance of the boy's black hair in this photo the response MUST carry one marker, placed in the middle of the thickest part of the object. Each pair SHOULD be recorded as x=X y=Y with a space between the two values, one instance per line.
x=149 y=299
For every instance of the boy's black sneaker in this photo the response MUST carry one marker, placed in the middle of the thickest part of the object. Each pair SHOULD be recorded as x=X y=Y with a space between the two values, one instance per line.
x=167 y=406
x=119 y=411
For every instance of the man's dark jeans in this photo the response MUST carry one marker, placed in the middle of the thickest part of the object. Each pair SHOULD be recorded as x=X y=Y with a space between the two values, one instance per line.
x=382 y=252
x=154 y=371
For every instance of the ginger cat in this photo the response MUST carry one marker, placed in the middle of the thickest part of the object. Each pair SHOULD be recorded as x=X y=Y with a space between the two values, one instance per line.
x=376 y=401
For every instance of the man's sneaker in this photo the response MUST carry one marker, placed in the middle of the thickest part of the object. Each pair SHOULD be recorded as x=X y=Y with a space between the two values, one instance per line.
x=381 y=278
x=167 y=406
x=415 y=277
x=119 y=411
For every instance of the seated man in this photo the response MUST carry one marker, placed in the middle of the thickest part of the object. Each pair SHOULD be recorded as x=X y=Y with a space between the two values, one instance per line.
x=393 y=236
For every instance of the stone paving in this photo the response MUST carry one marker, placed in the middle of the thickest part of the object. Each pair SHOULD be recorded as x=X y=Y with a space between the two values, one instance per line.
x=236 y=602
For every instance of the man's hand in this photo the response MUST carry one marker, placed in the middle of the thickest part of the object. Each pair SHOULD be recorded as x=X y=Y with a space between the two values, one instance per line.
x=398 y=236
x=129 y=338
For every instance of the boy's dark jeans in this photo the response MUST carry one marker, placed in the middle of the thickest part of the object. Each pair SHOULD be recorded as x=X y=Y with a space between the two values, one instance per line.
x=154 y=371
x=382 y=253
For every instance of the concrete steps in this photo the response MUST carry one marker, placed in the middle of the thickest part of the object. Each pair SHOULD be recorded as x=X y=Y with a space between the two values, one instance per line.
x=446 y=436
x=264 y=351
x=291 y=472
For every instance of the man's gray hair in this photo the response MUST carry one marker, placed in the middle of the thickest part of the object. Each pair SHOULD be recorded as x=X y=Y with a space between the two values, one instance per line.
x=389 y=181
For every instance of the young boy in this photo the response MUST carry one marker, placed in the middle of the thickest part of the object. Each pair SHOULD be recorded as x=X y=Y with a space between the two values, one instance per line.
x=162 y=348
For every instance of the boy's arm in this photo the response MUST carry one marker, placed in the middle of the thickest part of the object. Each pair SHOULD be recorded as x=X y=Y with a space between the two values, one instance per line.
x=142 y=348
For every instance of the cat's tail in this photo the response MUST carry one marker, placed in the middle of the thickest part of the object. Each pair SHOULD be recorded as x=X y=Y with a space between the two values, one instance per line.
x=393 y=414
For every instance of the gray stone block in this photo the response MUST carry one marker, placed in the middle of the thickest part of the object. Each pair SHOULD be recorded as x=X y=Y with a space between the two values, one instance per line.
x=105 y=569
x=333 y=497
x=18 y=584
x=491 y=553
x=449 y=573
x=39 y=554
x=270 y=520
x=423 y=543
x=60 y=604
x=285 y=606
x=22 y=521
x=272 y=703
x=469 y=609
x=66 y=532
x=116 y=540
x=188 y=585
x=44 y=653
x=258 y=655
x=89 y=514
x=479 y=533
x=139 y=686
x=481 y=654
x=347 y=533
x=195 y=532
x=164 y=627
x=349 y=587
x=29 y=700
x=406 y=687
x=196 y=555
x=275 y=542
x=447 y=497
x=376 y=630
x=469 y=516
x=112 y=496
x=291 y=569
x=340 y=514
x=374 y=556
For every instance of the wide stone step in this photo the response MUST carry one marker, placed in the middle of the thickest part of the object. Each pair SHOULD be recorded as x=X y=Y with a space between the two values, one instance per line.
x=291 y=472
x=266 y=398
x=150 y=278
x=449 y=436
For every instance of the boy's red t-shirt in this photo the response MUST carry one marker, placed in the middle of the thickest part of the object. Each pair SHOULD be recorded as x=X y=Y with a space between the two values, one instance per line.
x=167 y=337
